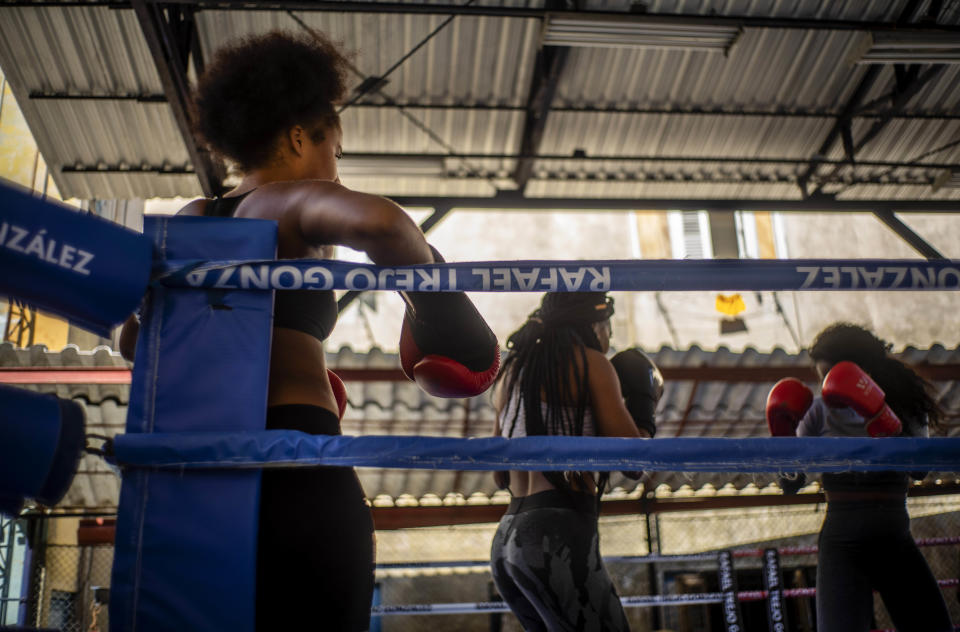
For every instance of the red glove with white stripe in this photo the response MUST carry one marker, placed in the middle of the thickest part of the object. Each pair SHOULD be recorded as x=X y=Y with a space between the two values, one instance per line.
x=849 y=386
x=787 y=403
x=339 y=392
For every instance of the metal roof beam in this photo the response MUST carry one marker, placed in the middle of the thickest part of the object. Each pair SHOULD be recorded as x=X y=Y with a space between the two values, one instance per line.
x=192 y=44
x=569 y=175
x=164 y=38
x=547 y=69
x=511 y=200
x=749 y=21
x=645 y=176
x=584 y=157
x=758 y=178
x=585 y=109
x=843 y=121
x=678 y=110
x=912 y=82
x=67 y=96
x=159 y=170
x=917 y=242
x=842 y=127
x=743 y=21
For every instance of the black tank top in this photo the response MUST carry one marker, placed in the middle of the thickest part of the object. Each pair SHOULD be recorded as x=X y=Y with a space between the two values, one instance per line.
x=313 y=312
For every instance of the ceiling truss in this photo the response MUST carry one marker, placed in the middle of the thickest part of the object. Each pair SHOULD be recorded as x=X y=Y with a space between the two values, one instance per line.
x=170 y=31
x=598 y=108
x=171 y=36
x=336 y=6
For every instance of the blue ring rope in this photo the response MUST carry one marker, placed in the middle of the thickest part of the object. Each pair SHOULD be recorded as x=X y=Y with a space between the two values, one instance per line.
x=568 y=276
x=288 y=448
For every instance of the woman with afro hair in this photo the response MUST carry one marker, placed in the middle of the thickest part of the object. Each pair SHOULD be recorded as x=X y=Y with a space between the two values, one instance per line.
x=266 y=103
x=865 y=543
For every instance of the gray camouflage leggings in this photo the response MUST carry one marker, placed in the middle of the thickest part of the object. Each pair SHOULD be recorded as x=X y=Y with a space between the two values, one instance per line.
x=546 y=563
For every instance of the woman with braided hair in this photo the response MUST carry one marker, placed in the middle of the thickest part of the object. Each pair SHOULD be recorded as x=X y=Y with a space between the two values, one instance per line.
x=865 y=542
x=556 y=380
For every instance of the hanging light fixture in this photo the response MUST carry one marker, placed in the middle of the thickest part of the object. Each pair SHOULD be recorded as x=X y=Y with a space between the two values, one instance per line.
x=394 y=166
x=631 y=31
x=909 y=48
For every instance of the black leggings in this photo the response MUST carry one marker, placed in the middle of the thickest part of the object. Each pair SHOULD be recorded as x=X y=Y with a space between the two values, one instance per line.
x=867 y=546
x=546 y=564
x=315 y=556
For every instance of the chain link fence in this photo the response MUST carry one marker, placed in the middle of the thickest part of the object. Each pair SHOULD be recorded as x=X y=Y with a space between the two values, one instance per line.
x=68 y=588
x=672 y=536
x=65 y=582
x=51 y=581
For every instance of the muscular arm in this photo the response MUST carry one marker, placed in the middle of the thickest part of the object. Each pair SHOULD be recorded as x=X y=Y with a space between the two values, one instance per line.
x=323 y=213
x=609 y=411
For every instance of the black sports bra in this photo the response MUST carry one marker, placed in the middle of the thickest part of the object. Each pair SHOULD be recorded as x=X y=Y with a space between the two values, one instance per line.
x=313 y=312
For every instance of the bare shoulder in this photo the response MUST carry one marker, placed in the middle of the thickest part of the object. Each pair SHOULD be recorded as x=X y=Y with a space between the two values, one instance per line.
x=196 y=207
x=276 y=200
x=597 y=360
x=292 y=190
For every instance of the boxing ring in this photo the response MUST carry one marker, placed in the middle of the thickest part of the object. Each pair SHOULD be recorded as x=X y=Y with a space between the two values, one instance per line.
x=195 y=442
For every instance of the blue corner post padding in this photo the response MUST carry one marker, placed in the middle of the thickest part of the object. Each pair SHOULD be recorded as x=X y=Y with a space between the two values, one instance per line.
x=87 y=269
x=41 y=442
x=185 y=554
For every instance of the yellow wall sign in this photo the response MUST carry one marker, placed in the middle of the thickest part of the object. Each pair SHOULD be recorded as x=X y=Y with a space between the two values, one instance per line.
x=731 y=305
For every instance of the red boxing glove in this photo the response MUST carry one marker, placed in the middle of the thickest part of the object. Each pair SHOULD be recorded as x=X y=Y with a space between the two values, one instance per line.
x=446 y=346
x=849 y=386
x=339 y=392
x=442 y=376
x=787 y=403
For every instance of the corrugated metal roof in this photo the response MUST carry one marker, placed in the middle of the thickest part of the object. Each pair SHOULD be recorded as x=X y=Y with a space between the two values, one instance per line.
x=93 y=51
x=490 y=61
x=687 y=409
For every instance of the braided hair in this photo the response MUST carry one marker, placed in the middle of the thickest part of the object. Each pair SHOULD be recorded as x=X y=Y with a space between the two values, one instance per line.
x=547 y=364
x=908 y=394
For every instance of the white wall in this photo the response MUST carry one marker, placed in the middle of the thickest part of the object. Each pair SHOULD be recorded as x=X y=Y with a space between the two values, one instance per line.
x=903 y=318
